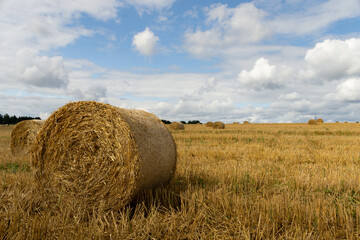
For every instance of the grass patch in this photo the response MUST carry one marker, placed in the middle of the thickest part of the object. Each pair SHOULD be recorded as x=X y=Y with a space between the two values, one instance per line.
x=14 y=167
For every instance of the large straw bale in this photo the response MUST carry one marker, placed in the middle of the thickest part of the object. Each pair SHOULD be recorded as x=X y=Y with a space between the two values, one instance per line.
x=177 y=126
x=90 y=154
x=23 y=136
x=312 y=122
x=319 y=121
x=209 y=124
x=246 y=122
x=218 y=125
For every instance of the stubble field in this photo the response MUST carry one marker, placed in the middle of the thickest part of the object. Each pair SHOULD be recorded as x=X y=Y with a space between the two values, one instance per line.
x=255 y=181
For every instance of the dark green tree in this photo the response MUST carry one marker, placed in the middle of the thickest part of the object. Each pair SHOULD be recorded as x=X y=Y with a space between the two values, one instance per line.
x=6 y=118
x=13 y=120
x=165 y=121
x=194 y=122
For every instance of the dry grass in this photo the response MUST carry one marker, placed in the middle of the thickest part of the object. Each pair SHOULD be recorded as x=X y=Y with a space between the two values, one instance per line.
x=257 y=181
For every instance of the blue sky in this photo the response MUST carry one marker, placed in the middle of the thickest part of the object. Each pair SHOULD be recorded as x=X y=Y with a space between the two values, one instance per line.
x=273 y=61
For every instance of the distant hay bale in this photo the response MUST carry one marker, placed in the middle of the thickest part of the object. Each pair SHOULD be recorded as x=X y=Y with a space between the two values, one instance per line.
x=235 y=122
x=91 y=154
x=177 y=126
x=312 y=122
x=218 y=125
x=319 y=121
x=23 y=136
x=246 y=122
x=209 y=124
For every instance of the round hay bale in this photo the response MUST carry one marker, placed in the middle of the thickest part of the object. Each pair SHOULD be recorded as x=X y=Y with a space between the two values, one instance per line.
x=319 y=121
x=23 y=136
x=236 y=123
x=312 y=122
x=246 y=122
x=177 y=126
x=209 y=124
x=90 y=154
x=218 y=125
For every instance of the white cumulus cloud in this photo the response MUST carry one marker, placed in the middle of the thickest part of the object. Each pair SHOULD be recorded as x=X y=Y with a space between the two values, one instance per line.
x=263 y=76
x=46 y=24
x=41 y=71
x=334 y=59
x=229 y=27
x=145 y=42
x=349 y=90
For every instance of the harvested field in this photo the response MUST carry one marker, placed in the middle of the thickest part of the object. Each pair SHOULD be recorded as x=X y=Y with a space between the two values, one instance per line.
x=256 y=181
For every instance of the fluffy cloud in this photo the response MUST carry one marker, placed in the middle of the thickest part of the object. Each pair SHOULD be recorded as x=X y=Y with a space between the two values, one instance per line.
x=263 y=76
x=229 y=27
x=145 y=42
x=349 y=90
x=334 y=59
x=242 y=23
x=40 y=71
x=46 y=25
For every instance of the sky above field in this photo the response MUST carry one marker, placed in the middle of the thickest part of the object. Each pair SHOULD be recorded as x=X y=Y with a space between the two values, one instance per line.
x=267 y=61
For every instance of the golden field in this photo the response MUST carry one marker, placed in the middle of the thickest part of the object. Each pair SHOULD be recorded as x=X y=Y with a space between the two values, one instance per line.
x=253 y=181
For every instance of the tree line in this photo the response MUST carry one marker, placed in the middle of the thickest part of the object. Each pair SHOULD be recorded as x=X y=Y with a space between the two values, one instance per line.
x=183 y=122
x=6 y=119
